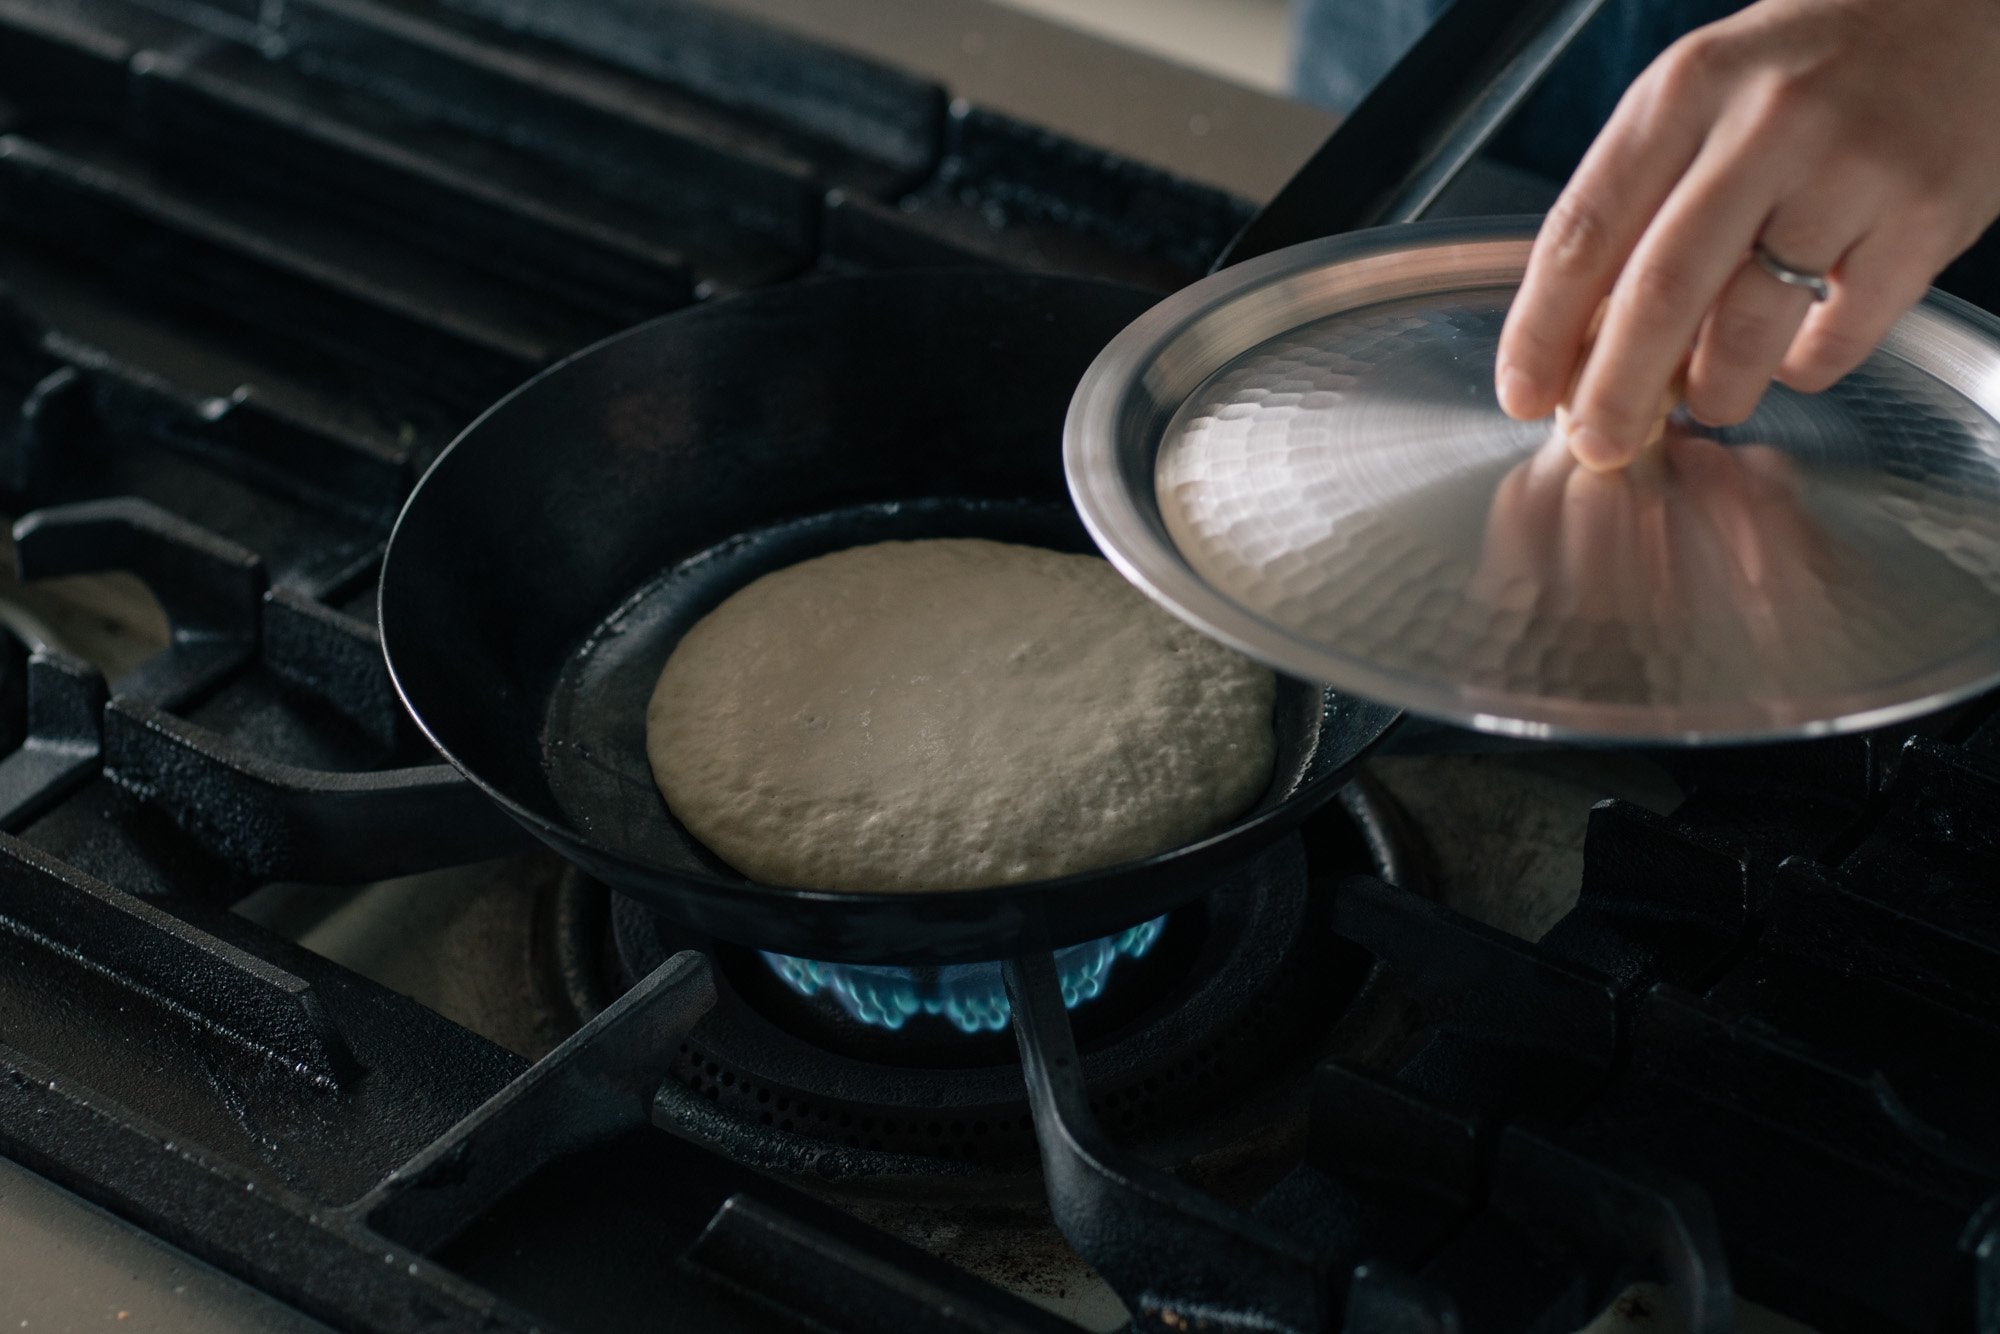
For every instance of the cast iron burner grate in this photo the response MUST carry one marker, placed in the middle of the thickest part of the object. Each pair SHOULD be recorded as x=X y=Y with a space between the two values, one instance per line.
x=1235 y=989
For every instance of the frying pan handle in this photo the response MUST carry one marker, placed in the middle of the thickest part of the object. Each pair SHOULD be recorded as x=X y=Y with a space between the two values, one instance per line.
x=1395 y=153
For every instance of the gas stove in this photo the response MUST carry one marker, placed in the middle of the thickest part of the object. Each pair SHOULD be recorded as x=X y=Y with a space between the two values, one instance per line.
x=296 y=1030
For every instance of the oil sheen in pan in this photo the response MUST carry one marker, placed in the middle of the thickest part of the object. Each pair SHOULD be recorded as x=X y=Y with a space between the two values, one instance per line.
x=594 y=735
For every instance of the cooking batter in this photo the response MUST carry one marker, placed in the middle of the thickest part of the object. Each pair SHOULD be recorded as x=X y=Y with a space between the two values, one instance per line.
x=952 y=713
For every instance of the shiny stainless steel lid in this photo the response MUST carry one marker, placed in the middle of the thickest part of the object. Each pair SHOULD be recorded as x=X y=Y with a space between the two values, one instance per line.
x=1302 y=456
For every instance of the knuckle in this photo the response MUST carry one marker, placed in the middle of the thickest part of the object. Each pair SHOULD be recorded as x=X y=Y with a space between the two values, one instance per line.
x=1692 y=64
x=1935 y=222
x=1825 y=355
x=1532 y=356
x=1926 y=210
x=1958 y=235
x=1859 y=287
x=1609 y=410
x=1806 y=241
x=1722 y=399
x=1795 y=114
x=1651 y=98
x=1655 y=285
x=1576 y=233
x=1924 y=190
x=1527 y=347
x=1873 y=295
x=1810 y=379
x=1735 y=336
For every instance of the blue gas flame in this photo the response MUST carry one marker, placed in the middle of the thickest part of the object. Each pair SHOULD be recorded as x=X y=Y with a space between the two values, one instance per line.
x=969 y=996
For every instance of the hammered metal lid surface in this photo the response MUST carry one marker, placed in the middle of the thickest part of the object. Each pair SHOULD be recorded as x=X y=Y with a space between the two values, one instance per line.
x=1303 y=457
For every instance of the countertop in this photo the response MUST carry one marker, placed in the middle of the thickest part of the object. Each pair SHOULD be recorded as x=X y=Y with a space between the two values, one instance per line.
x=1167 y=115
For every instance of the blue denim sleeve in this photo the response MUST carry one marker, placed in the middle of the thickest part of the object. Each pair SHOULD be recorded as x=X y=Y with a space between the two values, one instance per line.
x=1341 y=47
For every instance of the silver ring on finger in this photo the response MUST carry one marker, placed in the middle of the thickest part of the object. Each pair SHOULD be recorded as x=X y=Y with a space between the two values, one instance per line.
x=1812 y=282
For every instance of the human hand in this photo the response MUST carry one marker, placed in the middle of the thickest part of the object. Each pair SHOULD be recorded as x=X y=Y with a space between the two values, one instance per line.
x=1853 y=138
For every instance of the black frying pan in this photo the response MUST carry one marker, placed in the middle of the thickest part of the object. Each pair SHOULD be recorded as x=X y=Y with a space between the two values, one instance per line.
x=546 y=565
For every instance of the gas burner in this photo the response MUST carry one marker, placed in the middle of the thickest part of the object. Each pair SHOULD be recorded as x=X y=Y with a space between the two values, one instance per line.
x=970 y=997
x=1204 y=1010
x=1228 y=1002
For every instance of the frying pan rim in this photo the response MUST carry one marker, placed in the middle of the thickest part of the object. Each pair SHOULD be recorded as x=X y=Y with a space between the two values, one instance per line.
x=1292 y=806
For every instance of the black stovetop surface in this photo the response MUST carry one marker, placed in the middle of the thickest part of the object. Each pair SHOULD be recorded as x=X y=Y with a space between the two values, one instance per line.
x=259 y=260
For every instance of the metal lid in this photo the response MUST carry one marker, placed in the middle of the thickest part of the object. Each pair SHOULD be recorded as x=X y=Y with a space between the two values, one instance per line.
x=1302 y=457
